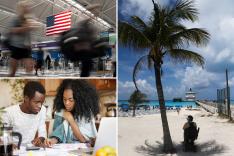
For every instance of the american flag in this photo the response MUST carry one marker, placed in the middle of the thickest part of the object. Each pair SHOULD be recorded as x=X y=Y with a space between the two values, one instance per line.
x=58 y=23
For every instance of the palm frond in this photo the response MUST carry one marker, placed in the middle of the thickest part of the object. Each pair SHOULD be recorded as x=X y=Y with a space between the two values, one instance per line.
x=137 y=97
x=150 y=63
x=138 y=23
x=194 y=35
x=184 y=9
x=156 y=15
x=186 y=56
x=176 y=27
x=144 y=60
x=132 y=37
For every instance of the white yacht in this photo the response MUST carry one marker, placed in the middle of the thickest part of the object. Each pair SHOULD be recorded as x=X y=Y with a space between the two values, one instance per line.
x=190 y=95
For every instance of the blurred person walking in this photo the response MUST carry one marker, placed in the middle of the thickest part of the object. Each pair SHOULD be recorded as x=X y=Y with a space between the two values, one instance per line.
x=81 y=42
x=39 y=62
x=19 y=39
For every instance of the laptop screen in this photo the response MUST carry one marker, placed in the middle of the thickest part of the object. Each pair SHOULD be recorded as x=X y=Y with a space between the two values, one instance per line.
x=107 y=133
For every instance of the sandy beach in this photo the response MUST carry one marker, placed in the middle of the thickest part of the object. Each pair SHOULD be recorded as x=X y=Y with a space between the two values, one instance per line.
x=142 y=136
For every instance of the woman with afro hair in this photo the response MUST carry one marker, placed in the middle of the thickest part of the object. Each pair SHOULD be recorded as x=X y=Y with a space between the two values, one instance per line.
x=75 y=107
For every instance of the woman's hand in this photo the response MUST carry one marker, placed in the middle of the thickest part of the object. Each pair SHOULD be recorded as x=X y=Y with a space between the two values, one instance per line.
x=92 y=141
x=50 y=142
x=68 y=116
x=74 y=126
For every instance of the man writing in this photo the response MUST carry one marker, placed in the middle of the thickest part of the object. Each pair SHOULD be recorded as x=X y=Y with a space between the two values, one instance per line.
x=29 y=117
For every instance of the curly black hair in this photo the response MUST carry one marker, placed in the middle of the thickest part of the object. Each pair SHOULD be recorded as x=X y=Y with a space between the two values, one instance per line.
x=85 y=96
x=32 y=87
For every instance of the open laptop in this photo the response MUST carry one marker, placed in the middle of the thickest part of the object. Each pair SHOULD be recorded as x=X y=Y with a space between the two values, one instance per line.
x=106 y=136
x=107 y=133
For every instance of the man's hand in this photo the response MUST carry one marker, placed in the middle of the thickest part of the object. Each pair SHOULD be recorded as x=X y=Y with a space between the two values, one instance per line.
x=42 y=142
x=68 y=116
x=38 y=141
x=15 y=147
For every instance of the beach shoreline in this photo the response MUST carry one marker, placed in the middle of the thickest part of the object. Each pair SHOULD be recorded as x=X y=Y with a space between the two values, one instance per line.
x=212 y=140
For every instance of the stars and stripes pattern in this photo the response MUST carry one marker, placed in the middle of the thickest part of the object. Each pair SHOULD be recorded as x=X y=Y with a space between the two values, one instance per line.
x=58 y=23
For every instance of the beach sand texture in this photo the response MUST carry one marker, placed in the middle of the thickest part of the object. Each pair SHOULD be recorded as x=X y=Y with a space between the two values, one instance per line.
x=216 y=136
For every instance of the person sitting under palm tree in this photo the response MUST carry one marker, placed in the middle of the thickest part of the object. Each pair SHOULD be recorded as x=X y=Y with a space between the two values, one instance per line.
x=190 y=134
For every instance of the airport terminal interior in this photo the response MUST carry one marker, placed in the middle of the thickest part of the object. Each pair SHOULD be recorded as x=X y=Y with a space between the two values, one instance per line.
x=45 y=45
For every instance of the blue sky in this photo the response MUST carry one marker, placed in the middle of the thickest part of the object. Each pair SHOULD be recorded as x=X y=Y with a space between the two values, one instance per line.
x=218 y=19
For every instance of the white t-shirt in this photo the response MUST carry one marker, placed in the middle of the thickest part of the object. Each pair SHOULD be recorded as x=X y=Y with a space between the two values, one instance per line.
x=26 y=124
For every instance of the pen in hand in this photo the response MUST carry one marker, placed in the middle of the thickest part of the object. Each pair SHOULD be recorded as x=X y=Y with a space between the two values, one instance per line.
x=42 y=141
x=39 y=142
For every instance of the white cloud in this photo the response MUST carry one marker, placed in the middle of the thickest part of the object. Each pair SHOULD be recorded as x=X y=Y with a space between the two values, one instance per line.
x=196 y=77
x=141 y=8
x=226 y=27
x=218 y=18
x=127 y=87
x=170 y=92
x=151 y=78
x=231 y=82
x=136 y=7
x=179 y=73
x=145 y=86
x=224 y=54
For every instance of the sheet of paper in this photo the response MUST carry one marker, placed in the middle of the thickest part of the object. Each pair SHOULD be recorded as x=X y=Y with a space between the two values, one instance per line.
x=56 y=150
x=68 y=147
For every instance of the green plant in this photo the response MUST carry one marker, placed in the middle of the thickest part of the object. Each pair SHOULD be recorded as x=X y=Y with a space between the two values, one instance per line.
x=136 y=98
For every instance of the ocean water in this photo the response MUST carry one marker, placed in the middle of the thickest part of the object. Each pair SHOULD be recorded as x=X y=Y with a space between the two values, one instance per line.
x=169 y=103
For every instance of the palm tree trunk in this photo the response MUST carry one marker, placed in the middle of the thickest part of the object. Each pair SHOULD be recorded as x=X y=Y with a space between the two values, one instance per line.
x=134 y=109
x=167 y=142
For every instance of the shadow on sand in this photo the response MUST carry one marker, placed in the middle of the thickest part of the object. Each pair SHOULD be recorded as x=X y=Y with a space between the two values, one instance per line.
x=208 y=148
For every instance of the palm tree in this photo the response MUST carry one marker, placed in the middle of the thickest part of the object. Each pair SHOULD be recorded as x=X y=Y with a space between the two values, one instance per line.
x=164 y=35
x=136 y=98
